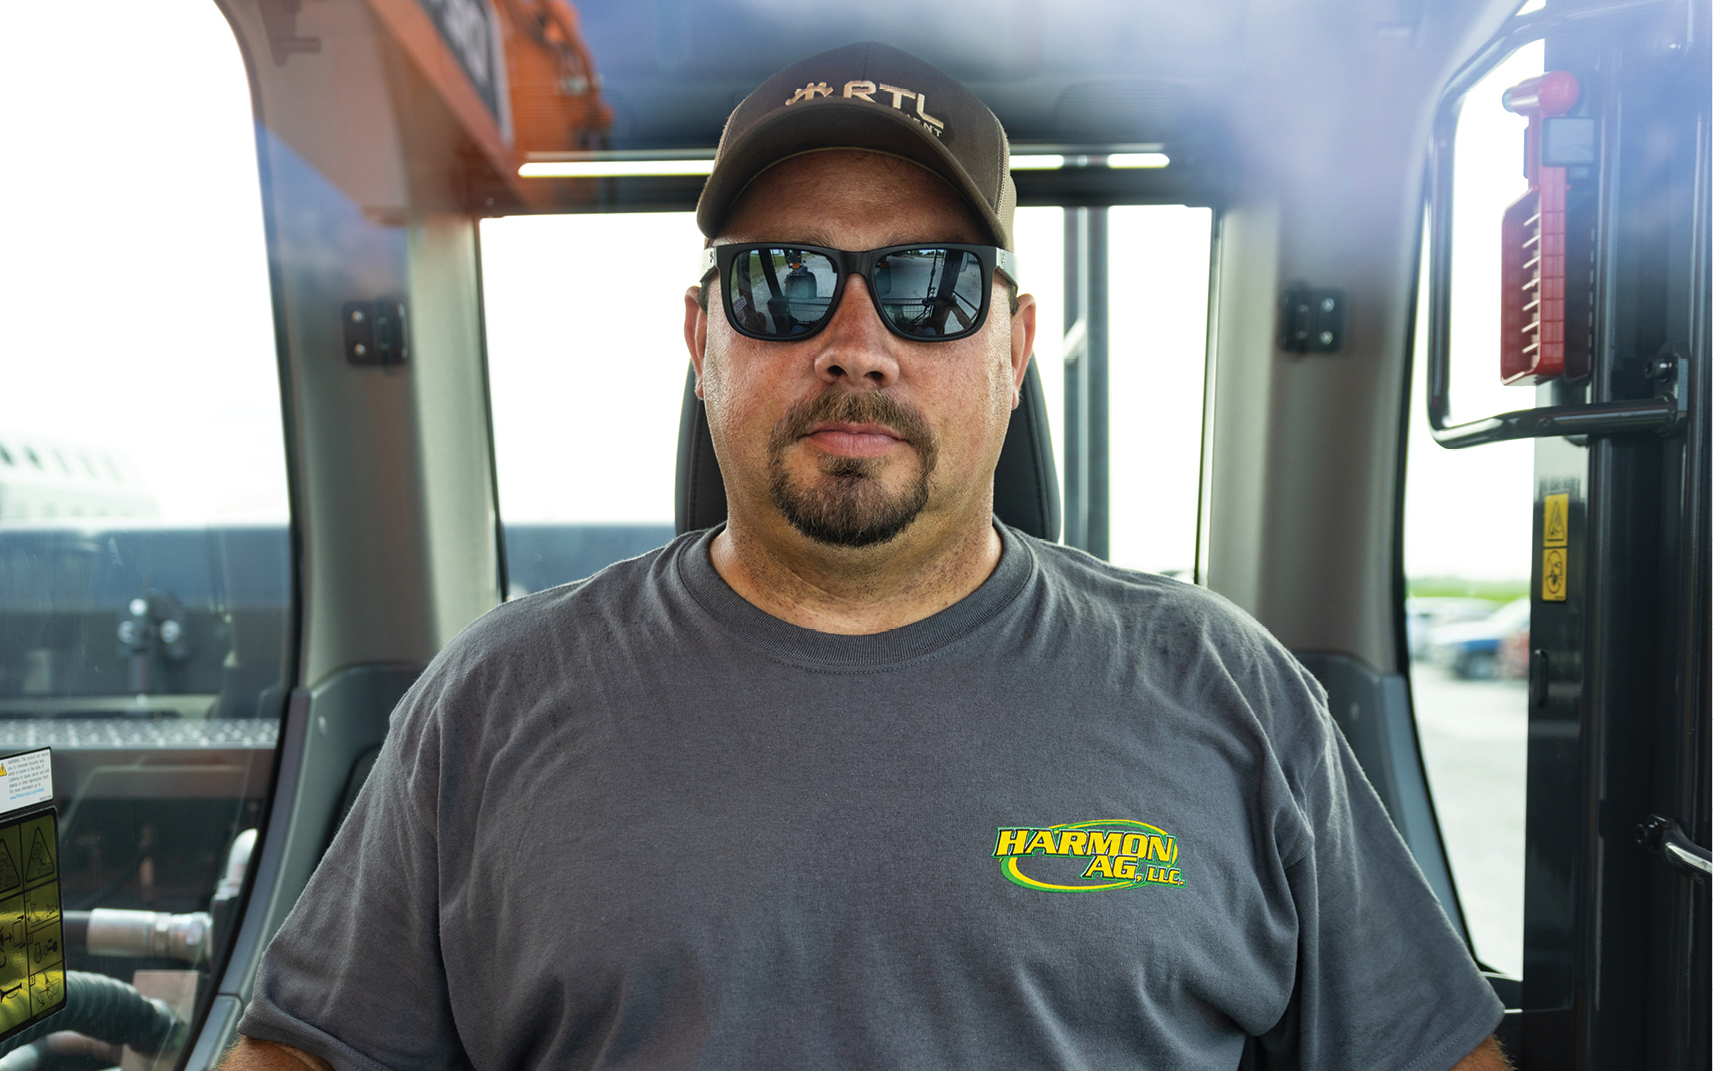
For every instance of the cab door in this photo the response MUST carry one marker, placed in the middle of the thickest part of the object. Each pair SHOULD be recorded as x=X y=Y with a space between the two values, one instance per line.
x=1613 y=665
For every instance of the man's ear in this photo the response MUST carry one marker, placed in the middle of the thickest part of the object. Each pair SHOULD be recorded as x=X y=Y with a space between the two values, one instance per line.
x=1022 y=343
x=695 y=332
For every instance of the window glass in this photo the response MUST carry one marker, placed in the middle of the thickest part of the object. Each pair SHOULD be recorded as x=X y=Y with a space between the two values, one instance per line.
x=1467 y=542
x=586 y=366
x=1158 y=275
x=1040 y=234
x=1157 y=361
x=144 y=554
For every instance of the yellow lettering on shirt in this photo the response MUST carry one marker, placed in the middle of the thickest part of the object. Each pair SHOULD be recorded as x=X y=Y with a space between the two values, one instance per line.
x=1104 y=843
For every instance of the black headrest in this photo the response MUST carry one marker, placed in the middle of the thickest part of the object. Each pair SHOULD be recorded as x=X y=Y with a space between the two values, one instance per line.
x=1025 y=487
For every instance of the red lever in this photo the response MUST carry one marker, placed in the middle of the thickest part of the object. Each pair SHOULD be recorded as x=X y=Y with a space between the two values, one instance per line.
x=1531 y=328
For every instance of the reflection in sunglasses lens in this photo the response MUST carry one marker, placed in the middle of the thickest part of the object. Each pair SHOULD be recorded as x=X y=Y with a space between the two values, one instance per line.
x=781 y=292
x=931 y=293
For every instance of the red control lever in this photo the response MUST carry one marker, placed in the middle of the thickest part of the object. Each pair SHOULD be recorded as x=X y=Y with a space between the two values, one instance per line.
x=1531 y=328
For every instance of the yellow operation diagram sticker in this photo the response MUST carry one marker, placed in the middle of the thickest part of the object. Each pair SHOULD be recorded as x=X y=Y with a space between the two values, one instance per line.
x=32 y=977
x=32 y=938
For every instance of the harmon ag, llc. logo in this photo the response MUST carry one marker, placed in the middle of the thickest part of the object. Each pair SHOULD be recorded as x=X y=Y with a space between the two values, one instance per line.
x=1114 y=853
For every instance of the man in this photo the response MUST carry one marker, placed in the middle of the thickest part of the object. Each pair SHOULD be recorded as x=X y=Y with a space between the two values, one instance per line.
x=863 y=778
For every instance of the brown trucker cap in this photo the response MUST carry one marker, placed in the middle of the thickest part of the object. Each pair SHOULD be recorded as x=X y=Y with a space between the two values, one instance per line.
x=866 y=96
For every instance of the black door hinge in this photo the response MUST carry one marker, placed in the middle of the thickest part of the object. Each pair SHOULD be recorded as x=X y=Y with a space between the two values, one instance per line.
x=1669 y=371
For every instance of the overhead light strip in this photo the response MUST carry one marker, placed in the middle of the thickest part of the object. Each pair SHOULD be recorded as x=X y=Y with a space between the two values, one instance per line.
x=1138 y=159
x=613 y=168
x=1056 y=161
x=653 y=166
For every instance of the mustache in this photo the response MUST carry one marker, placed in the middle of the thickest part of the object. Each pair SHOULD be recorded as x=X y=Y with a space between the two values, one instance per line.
x=851 y=407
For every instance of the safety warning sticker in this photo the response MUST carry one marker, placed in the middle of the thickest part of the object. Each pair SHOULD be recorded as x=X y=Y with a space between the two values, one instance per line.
x=26 y=779
x=1555 y=521
x=32 y=954
x=1553 y=580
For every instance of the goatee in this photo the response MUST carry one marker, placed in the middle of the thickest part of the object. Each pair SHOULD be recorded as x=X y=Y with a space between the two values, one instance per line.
x=848 y=506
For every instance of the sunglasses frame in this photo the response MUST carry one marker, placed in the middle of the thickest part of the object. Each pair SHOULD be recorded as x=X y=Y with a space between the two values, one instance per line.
x=718 y=259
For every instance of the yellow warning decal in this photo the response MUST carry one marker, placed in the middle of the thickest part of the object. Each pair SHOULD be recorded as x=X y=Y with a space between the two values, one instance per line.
x=11 y=878
x=1554 y=581
x=1555 y=521
x=32 y=956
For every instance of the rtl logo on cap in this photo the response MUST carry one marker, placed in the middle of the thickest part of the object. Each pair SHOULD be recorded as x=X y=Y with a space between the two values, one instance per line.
x=865 y=90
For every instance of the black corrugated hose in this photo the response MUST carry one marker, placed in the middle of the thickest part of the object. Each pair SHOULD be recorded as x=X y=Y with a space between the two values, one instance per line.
x=109 y=1010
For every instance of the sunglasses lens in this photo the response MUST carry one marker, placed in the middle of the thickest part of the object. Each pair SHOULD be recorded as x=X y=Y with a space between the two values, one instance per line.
x=926 y=293
x=930 y=292
x=779 y=292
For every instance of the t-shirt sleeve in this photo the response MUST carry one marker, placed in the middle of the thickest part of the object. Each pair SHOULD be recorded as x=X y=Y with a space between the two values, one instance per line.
x=1383 y=980
x=355 y=974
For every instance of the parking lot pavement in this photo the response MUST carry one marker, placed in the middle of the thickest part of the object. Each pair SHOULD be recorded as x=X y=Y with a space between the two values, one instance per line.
x=1474 y=738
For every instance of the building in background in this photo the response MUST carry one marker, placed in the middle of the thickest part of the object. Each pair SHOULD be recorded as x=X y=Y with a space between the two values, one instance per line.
x=45 y=480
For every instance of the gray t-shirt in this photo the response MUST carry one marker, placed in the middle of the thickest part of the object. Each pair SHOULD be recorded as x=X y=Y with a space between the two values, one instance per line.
x=1084 y=818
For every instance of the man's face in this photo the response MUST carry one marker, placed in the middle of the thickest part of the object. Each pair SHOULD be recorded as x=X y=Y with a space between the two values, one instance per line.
x=855 y=435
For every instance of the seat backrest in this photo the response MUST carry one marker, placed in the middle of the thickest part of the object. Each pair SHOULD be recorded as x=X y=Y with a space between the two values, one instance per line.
x=801 y=287
x=1025 y=486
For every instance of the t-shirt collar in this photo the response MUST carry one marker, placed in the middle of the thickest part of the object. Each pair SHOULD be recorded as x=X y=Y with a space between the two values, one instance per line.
x=912 y=641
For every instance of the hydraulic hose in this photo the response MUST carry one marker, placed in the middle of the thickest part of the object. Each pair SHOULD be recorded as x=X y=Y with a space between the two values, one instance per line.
x=109 y=1010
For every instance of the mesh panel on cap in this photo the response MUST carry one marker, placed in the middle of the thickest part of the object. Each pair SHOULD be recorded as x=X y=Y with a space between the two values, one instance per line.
x=1006 y=210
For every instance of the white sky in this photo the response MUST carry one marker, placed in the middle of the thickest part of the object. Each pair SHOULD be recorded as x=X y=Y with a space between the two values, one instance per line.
x=134 y=304
x=585 y=322
x=134 y=313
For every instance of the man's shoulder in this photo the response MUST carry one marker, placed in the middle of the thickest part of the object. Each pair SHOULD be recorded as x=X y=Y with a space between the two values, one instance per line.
x=623 y=592
x=1184 y=623
x=1100 y=584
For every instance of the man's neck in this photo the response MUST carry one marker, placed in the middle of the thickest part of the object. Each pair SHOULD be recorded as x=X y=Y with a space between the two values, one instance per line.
x=855 y=591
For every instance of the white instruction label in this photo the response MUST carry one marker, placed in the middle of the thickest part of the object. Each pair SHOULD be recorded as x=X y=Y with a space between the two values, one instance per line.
x=26 y=779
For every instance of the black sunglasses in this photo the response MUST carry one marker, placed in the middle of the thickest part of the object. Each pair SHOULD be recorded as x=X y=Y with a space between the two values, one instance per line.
x=925 y=293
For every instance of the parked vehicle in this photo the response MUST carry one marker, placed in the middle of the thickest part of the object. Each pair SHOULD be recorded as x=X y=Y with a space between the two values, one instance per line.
x=1426 y=613
x=1471 y=649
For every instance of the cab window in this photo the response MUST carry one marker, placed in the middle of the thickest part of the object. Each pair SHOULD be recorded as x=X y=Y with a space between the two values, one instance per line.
x=1158 y=275
x=146 y=617
x=582 y=310
x=1467 y=539
x=586 y=367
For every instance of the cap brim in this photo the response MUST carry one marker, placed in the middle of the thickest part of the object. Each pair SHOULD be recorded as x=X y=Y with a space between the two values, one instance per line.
x=833 y=124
